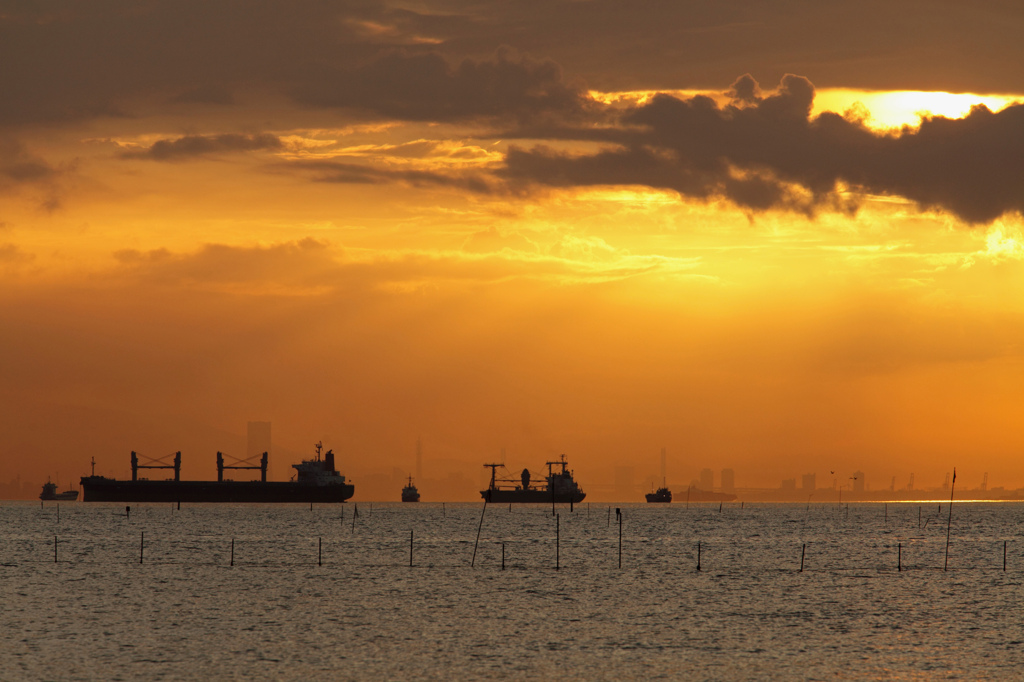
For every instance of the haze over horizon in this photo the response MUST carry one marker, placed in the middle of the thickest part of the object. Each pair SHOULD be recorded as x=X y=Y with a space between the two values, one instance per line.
x=781 y=242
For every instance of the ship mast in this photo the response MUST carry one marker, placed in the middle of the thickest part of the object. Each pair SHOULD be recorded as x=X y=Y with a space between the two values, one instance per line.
x=494 y=471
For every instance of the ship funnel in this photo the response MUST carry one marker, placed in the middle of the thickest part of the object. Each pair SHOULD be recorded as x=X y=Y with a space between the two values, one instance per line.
x=329 y=460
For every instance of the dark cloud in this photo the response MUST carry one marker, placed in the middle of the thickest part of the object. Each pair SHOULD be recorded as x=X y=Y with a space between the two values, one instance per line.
x=191 y=146
x=678 y=44
x=20 y=169
x=13 y=254
x=765 y=151
x=354 y=173
x=426 y=87
x=18 y=166
x=64 y=60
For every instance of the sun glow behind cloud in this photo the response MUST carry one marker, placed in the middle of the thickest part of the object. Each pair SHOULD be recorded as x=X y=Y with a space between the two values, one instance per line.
x=906 y=107
x=888 y=109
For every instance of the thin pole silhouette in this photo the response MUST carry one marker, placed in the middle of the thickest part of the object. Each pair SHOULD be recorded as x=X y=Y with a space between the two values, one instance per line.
x=949 y=521
x=482 y=512
x=619 y=513
x=558 y=536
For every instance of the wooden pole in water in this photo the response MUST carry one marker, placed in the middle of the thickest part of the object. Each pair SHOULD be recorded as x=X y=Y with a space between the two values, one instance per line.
x=55 y=552
x=410 y=548
x=618 y=513
x=320 y=551
x=698 y=556
x=720 y=506
x=949 y=521
x=609 y=517
x=899 y=557
x=481 y=525
x=232 y=563
x=919 y=516
x=142 y=545
x=58 y=512
x=503 y=556
x=803 y=551
x=557 y=541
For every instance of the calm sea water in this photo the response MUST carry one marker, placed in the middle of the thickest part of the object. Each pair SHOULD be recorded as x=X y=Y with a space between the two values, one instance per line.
x=365 y=614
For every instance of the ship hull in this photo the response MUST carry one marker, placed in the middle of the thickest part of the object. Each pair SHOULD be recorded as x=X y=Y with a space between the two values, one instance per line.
x=100 y=489
x=66 y=496
x=498 y=496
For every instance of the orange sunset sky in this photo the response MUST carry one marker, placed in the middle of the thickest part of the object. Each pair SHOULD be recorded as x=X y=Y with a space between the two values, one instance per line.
x=784 y=238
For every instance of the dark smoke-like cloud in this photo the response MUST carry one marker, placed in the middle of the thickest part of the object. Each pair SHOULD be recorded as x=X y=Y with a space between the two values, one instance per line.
x=354 y=173
x=191 y=146
x=765 y=151
x=426 y=87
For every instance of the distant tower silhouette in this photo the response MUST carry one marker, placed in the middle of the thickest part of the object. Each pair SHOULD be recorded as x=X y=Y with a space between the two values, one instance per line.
x=984 y=482
x=728 y=480
x=910 y=486
x=707 y=479
x=419 y=458
x=892 y=486
x=257 y=442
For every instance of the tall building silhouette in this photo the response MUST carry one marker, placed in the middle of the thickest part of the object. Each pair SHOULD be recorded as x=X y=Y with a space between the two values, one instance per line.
x=858 y=481
x=728 y=480
x=707 y=479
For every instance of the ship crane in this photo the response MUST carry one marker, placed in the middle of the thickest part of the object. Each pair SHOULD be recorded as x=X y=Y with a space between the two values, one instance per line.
x=238 y=463
x=161 y=463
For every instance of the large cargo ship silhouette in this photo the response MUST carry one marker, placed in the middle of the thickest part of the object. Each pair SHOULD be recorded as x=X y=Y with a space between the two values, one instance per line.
x=316 y=480
x=559 y=486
